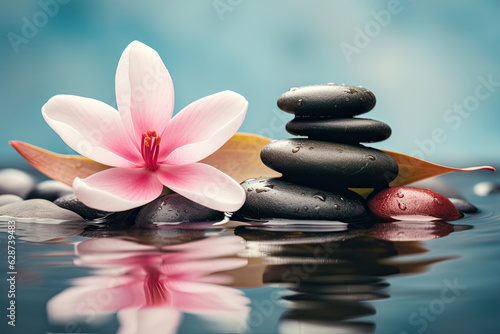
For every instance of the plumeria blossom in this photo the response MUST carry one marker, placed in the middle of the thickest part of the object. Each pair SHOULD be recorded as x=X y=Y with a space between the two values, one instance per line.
x=151 y=287
x=146 y=147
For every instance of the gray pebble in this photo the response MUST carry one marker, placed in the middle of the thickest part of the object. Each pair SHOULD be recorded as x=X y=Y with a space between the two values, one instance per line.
x=8 y=198
x=16 y=182
x=38 y=209
x=50 y=190
x=486 y=188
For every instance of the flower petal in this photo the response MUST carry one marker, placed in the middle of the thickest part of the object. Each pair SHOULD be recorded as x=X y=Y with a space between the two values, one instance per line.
x=73 y=303
x=144 y=91
x=118 y=189
x=159 y=320
x=92 y=128
x=202 y=127
x=193 y=296
x=203 y=184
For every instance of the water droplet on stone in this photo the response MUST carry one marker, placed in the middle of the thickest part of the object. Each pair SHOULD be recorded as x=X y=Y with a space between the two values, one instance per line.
x=306 y=208
x=317 y=207
x=303 y=194
x=400 y=195
x=293 y=88
x=295 y=149
x=336 y=206
x=185 y=210
x=347 y=99
x=371 y=157
x=79 y=164
x=438 y=201
x=311 y=148
x=249 y=189
x=341 y=198
x=402 y=206
x=262 y=190
x=297 y=209
x=299 y=103
x=320 y=196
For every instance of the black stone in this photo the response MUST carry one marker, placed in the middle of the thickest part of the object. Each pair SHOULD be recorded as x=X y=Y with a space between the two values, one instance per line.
x=463 y=206
x=331 y=100
x=277 y=198
x=16 y=182
x=176 y=208
x=50 y=190
x=341 y=130
x=8 y=198
x=38 y=209
x=329 y=165
x=72 y=203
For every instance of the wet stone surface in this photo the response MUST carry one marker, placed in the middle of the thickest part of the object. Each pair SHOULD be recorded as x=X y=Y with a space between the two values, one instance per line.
x=329 y=165
x=277 y=198
x=330 y=100
x=406 y=203
x=174 y=208
x=342 y=130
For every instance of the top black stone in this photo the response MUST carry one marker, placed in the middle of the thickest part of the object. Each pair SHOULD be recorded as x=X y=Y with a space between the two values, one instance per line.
x=330 y=100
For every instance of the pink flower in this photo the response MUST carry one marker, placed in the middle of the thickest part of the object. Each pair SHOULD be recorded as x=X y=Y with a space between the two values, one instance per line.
x=150 y=287
x=146 y=147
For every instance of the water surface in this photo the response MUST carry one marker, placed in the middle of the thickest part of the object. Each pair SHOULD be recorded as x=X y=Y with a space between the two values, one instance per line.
x=432 y=277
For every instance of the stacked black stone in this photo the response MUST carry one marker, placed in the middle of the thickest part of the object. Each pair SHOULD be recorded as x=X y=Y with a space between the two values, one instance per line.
x=331 y=158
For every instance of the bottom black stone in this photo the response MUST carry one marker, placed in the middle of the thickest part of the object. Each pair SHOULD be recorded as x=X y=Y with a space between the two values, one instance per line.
x=277 y=198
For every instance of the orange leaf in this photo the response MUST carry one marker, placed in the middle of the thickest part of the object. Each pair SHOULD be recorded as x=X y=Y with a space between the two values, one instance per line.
x=412 y=169
x=240 y=158
x=59 y=167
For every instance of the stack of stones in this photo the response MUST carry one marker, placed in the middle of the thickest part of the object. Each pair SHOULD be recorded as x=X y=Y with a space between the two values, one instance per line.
x=318 y=170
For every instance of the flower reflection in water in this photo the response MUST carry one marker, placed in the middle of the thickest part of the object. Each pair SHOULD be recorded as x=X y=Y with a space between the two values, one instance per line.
x=151 y=286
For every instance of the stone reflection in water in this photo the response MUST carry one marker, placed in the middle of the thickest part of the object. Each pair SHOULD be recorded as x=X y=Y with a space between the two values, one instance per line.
x=150 y=286
x=333 y=275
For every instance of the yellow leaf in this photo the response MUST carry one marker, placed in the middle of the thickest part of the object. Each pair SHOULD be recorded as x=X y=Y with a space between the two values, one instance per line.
x=412 y=169
x=59 y=167
x=240 y=158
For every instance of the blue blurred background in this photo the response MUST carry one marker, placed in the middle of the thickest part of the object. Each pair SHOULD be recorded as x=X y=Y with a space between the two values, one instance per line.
x=433 y=65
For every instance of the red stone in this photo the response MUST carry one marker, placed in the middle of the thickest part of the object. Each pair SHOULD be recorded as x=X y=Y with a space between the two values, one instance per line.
x=406 y=203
